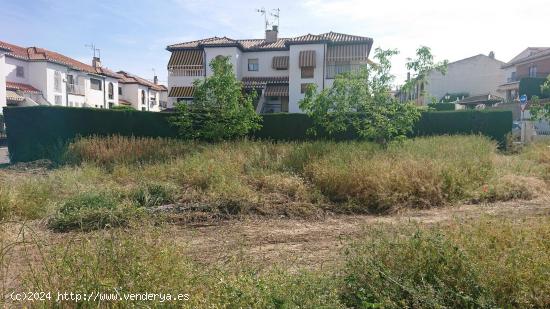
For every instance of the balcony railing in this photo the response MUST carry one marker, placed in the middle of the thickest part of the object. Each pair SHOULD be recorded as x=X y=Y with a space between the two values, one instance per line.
x=334 y=69
x=75 y=89
x=186 y=70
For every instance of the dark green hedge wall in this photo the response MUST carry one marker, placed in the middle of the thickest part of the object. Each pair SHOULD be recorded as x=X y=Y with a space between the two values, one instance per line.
x=531 y=86
x=38 y=132
x=442 y=106
x=42 y=132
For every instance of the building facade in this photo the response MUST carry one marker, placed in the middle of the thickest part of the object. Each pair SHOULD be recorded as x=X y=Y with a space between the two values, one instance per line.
x=531 y=62
x=473 y=76
x=279 y=69
x=141 y=94
x=36 y=76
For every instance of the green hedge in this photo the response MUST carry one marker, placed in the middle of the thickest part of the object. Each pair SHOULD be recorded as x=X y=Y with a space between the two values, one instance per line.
x=42 y=132
x=530 y=86
x=442 y=106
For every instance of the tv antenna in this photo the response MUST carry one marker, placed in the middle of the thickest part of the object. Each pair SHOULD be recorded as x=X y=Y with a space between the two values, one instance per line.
x=94 y=49
x=270 y=14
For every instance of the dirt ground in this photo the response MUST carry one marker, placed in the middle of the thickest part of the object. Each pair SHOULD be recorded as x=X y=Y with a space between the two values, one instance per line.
x=289 y=243
x=318 y=244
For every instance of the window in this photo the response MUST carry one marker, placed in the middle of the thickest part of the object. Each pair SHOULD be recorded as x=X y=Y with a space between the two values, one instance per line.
x=307 y=72
x=144 y=109
x=95 y=84
x=58 y=100
x=119 y=90
x=57 y=81
x=253 y=65
x=143 y=97
x=111 y=91
x=304 y=86
x=532 y=71
x=20 y=71
x=111 y=105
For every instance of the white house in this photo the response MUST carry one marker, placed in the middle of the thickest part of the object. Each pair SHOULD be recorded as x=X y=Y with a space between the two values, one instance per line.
x=36 y=76
x=477 y=75
x=279 y=69
x=140 y=93
x=2 y=78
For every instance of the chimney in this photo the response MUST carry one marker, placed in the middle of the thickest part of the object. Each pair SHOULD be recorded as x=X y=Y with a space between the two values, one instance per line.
x=492 y=55
x=155 y=80
x=96 y=63
x=271 y=35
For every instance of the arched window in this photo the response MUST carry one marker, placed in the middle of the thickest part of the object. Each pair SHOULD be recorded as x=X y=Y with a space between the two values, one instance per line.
x=143 y=97
x=111 y=91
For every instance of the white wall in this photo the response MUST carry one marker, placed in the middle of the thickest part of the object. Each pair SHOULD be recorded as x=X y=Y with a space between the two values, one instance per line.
x=295 y=78
x=265 y=60
x=2 y=82
x=476 y=75
x=10 y=70
x=234 y=57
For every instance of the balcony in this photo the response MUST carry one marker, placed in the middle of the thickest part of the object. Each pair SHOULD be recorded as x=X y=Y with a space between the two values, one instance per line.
x=75 y=89
x=186 y=70
x=334 y=69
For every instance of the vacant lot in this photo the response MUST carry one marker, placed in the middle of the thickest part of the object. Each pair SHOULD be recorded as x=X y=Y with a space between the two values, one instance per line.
x=446 y=221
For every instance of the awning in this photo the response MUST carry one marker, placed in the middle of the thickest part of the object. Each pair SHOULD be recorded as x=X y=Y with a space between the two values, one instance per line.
x=307 y=58
x=351 y=52
x=186 y=57
x=12 y=96
x=280 y=63
x=261 y=81
x=509 y=86
x=181 y=92
x=276 y=90
x=124 y=102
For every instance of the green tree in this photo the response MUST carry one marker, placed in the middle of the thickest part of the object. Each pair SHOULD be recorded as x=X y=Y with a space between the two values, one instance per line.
x=220 y=110
x=421 y=67
x=538 y=109
x=362 y=101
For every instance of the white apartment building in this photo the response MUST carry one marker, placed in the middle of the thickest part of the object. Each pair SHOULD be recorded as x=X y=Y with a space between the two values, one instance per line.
x=141 y=94
x=477 y=75
x=36 y=76
x=279 y=69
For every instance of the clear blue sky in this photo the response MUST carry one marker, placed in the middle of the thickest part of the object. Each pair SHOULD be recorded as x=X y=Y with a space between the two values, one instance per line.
x=133 y=35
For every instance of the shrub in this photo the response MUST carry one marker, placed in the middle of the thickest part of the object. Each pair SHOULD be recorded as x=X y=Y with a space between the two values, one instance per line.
x=90 y=211
x=150 y=195
x=423 y=270
x=220 y=109
x=122 y=108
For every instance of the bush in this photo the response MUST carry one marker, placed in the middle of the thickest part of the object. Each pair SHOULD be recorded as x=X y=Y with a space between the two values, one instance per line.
x=90 y=211
x=151 y=195
x=442 y=106
x=425 y=270
x=122 y=108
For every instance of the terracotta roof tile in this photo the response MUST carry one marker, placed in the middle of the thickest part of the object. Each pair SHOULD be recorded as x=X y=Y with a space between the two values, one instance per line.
x=21 y=87
x=281 y=43
x=127 y=78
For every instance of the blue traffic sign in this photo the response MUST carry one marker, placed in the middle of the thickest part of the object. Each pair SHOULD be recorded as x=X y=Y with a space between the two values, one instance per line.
x=523 y=99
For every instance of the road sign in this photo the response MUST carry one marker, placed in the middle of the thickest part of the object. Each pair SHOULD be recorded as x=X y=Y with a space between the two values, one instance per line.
x=523 y=101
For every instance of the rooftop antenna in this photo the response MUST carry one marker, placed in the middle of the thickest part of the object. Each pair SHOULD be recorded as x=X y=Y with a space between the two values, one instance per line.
x=262 y=12
x=275 y=13
x=92 y=47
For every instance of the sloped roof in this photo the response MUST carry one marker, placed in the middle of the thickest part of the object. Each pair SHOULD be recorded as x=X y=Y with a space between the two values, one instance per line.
x=127 y=78
x=481 y=99
x=41 y=54
x=21 y=87
x=279 y=44
x=532 y=54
